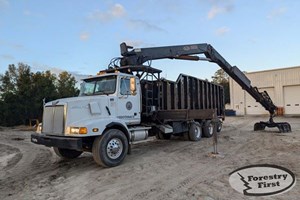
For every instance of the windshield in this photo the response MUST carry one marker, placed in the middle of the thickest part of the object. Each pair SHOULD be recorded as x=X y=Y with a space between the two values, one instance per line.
x=97 y=86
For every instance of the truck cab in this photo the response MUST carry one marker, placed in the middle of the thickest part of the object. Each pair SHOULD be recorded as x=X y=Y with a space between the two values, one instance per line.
x=107 y=102
x=102 y=99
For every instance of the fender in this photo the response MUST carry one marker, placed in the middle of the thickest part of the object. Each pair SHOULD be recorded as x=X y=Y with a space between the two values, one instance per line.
x=120 y=126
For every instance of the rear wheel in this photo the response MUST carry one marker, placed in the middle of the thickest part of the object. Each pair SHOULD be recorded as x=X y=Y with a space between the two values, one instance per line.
x=208 y=129
x=67 y=153
x=195 y=132
x=110 y=149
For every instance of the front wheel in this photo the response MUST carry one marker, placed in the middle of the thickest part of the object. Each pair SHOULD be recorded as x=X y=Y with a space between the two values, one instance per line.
x=110 y=149
x=67 y=153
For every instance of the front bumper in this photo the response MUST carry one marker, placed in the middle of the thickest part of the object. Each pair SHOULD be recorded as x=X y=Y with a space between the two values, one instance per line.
x=60 y=142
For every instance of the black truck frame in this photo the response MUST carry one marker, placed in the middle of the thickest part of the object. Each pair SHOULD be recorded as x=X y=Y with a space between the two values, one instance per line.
x=139 y=56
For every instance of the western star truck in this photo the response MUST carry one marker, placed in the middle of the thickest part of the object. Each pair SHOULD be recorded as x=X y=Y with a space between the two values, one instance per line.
x=130 y=101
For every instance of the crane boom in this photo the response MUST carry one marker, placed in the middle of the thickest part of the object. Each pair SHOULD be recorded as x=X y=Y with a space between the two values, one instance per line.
x=139 y=56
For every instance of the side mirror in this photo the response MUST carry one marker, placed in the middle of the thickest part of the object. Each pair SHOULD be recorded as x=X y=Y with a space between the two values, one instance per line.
x=133 y=85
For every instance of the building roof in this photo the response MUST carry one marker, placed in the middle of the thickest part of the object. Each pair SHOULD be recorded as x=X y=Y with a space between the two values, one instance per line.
x=276 y=69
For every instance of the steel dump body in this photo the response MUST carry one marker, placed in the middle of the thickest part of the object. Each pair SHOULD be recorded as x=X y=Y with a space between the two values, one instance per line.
x=188 y=98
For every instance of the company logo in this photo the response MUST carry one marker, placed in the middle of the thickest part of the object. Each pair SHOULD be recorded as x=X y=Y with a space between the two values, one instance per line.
x=262 y=180
x=129 y=105
x=190 y=47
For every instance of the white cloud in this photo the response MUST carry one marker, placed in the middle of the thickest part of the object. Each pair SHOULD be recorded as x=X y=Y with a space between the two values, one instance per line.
x=222 y=31
x=117 y=11
x=114 y=12
x=143 y=24
x=42 y=67
x=56 y=70
x=213 y=12
x=219 y=7
x=277 y=12
x=84 y=36
x=216 y=10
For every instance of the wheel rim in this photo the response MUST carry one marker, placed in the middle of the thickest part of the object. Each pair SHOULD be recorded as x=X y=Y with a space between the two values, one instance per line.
x=114 y=148
x=197 y=132
x=220 y=127
x=210 y=129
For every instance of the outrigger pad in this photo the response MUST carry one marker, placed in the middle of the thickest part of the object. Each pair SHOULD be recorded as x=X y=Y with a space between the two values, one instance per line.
x=283 y=127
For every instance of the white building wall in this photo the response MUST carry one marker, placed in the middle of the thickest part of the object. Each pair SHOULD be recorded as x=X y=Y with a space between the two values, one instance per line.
x=275 y=82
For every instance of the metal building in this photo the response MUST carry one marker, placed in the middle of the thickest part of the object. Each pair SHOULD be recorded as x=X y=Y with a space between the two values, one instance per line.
x=282 y=85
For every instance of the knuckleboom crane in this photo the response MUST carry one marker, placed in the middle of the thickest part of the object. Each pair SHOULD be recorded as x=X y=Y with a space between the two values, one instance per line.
x=139 y=56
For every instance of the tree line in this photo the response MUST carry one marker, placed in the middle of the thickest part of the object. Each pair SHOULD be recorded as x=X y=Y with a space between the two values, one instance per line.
x=22 y=92
x=221 y=77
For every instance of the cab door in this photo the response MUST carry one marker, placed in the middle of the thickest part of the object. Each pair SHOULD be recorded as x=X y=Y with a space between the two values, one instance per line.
x=129 y=104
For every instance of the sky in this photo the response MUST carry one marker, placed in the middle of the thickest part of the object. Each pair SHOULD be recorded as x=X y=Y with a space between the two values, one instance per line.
x=82 y=36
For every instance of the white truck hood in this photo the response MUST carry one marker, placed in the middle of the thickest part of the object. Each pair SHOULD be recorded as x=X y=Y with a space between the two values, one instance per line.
x=78 y=111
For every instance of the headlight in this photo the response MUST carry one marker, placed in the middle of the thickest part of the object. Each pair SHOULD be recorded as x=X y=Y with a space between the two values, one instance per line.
x=78 y=130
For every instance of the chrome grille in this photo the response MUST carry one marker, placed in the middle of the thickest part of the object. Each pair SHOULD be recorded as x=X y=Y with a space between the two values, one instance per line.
x=53 y=120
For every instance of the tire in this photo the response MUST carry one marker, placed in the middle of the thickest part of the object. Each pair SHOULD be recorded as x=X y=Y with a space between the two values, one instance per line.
x=110 y=149
x=158 y=136
x=208 y=129
x=67 y=153
x=195 y=132
x=161 y=136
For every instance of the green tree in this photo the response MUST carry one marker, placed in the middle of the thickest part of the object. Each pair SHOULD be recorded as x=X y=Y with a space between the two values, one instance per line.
x=22 y=92
x=44 y=89
x=8 y=80
x=66 y=85
x=16 y=94
x=220 y=77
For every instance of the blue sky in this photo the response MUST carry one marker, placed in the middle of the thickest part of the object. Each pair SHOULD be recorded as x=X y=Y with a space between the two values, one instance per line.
x=81 y=36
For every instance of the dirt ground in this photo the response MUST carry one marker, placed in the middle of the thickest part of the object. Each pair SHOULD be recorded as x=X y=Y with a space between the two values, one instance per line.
x=157 y=169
